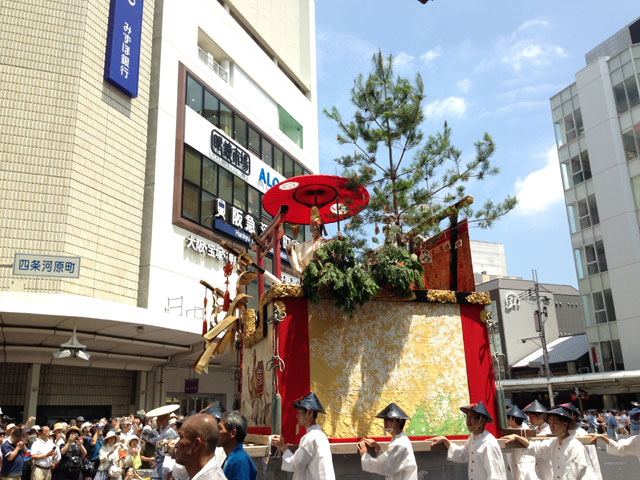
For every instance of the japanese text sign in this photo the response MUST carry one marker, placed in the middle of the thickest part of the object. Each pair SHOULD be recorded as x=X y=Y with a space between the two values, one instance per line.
x=32 y=265
x=124 y=34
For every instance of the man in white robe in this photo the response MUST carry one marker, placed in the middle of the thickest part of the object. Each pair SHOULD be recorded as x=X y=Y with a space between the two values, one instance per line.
x=624 y=447
x=566 y=453
x=536 y=412
x=590 y=450
x=522 y=466
x=312 y=460
x=398 y=462
x=481 y=452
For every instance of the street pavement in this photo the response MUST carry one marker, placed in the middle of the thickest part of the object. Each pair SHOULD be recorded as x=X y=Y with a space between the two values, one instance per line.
x=614 y=468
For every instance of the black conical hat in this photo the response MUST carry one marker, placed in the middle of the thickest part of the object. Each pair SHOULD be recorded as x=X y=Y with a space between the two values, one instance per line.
x=309 y=402
x=535 y=407
x=515 y=412
x=570 y=407
x=562 y=413
x=393 y=411
x=180 y=422
x=215 y=410
x=478 y=408
x=508 y=403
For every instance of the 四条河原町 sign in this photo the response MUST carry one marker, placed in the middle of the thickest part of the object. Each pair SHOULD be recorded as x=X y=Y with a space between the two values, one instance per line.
x=124 y=35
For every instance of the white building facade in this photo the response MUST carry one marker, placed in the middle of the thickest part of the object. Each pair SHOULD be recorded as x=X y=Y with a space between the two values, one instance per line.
x=136 y=190
x=597 y=125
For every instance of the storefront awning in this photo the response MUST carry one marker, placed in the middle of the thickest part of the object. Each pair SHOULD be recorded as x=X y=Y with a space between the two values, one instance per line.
x=564 y=349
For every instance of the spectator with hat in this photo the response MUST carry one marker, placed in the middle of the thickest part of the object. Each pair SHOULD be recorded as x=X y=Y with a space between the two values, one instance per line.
x=71 y=455
x=105 y=455
x=536 y=412
x=521 y=465
x=566 y=453
x=481 y=451
x=167 y=434
x=13 y=452
x=312 y=460
x=398 y=461
x=624 y=447
x=634 y=423
x=232 y=430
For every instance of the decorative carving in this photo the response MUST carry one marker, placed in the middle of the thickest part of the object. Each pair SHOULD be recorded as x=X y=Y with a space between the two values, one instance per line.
x=251 y=334
x=479 y=298
x=281 y=291
x=441 y=296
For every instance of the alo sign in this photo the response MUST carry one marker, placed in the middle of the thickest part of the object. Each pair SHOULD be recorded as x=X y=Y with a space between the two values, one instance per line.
x=267 y=179
x=124 y=34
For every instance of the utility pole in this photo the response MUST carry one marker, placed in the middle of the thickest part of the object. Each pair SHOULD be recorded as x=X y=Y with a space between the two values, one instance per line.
x=543 y=339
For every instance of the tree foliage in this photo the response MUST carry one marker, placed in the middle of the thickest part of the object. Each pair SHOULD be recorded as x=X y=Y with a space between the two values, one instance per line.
x=410 y=179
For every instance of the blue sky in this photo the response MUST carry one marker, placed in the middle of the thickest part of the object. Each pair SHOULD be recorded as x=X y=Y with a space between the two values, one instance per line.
x=487 y=66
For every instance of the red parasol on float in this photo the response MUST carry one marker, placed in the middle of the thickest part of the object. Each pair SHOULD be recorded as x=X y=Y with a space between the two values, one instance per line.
x=336 y=198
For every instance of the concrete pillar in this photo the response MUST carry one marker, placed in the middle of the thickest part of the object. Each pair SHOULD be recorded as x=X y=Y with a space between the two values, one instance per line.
x=31 y=391
x=141 y=391
x=607 y=401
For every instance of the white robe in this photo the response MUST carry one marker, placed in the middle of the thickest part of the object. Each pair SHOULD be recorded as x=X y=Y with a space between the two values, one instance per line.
x=544 y=471
x=568 y=461
x=523 y=466
x=483 y=455
x=398 y=462
x=312 y=460
x=592 y=454
x=624 y=447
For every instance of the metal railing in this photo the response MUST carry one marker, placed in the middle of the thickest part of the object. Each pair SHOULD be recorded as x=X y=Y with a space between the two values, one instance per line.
x=213 y=65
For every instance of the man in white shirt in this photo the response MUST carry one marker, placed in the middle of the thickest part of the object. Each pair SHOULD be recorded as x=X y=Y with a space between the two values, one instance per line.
x=566 y=453
x=522 y=466
x=312 y=460
x=196 y=448
x=590 y=450
x=398 y=462
x=536 y=412
x=43 y=453
x=481 y=451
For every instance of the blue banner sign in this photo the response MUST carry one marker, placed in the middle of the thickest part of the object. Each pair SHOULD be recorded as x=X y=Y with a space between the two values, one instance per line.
x=32 y=265
x=124 y=35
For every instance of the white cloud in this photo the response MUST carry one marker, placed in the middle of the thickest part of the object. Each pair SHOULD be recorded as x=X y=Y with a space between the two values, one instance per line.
x=464 y=85
x=541 y=189
x=430 y=55
x=536 y=22
x=526 y=52
x=450 y=106
x=402 y=61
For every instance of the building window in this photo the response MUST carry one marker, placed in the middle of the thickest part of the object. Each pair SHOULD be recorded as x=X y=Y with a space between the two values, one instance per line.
x=206 y=103
x=595 y=258
x=625 y=92
x=580 y=168
x=570 y=127
x=588 y=311
x=289 y=126
x=611 y=356
x=578 y=259
x=631 y=142
x=603 y=306
x=588 y=212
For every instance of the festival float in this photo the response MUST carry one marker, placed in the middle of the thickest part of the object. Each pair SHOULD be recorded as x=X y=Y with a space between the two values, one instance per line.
x=404 y=326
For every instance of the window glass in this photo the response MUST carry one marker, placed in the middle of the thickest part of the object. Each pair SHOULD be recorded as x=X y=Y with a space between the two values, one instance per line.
x=209 y=176
x=590 y=257
x=239 y=193
x=602 y=259
x=211 y=105
x=254 y=140
x=593 y=209
x=572 y=218
x=226 y=119
x=583 y=213
x=277 y=160
x=225 y=185
x=288 y=166
x=289 y=126
x=588 y=312
x=632 y=91
x=194 y=94
x=570 y=127
x=598 y=307
x=192 y=166
x=253 y=201
x=629 y=144
x=267 y=152
x=577 y=115
x=560 y=136
x=576 y=170
x=578 y=259
x=607 y=356
x=620 y=98
x=240 y=130
x=617 y=354
x=608 y=302
x=297 y=169
x=586 y=165
x=564 y=170
x=190 y=201
x=207 y=212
